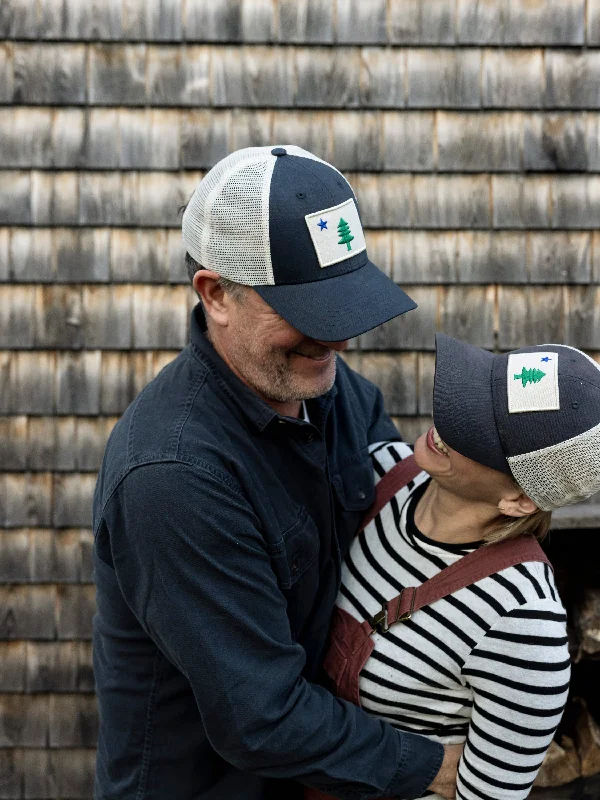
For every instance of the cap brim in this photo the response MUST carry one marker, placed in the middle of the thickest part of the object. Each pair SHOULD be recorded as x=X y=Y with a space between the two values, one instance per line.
x=463 y=405
x=335 y=309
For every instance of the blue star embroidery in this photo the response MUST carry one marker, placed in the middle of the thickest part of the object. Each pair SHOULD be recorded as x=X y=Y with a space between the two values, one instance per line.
x=322 y=224
x=546 y=358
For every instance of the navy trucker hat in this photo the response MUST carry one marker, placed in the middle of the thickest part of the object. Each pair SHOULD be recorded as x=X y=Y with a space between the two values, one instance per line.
x=533 y=413
x=286 y=223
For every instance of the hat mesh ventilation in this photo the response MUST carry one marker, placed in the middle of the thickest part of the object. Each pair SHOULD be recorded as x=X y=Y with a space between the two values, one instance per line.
x=226 y=223
x=562 y=474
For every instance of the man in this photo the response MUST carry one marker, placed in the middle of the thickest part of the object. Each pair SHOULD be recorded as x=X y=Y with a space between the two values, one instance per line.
x=229 y=492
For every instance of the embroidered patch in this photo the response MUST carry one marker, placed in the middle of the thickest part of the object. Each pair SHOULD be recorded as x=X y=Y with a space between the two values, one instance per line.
x=336 y=233
x=532 y=381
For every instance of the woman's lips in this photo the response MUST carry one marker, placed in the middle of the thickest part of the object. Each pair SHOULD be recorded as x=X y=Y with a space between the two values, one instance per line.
x=431 y=444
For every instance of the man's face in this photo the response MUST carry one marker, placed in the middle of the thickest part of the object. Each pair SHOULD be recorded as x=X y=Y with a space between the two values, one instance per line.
x=272 y=357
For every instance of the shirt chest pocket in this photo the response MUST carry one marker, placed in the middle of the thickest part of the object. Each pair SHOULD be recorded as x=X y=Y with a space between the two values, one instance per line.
x=296 y=551
x=354 y=485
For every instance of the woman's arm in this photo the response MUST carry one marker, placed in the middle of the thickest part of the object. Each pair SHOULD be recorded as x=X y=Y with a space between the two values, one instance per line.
x=519 y=674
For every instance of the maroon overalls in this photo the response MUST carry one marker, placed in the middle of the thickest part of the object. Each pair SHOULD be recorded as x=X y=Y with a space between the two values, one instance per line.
x=351 y=642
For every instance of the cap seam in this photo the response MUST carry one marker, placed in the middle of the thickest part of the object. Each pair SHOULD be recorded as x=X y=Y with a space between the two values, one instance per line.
x=321 y=181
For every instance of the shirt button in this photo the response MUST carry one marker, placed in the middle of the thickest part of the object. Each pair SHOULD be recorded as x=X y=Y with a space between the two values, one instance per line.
x=361 y=495
x=294 y=567
x=310 y=438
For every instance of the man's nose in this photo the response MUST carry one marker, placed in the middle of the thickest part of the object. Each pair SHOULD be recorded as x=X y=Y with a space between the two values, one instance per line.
x=339 y=346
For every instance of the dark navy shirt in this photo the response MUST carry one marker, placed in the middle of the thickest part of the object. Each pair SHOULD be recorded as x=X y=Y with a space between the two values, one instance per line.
x=220 y=527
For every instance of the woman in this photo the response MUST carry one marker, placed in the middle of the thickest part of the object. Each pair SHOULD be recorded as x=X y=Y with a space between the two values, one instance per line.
x=515 y=436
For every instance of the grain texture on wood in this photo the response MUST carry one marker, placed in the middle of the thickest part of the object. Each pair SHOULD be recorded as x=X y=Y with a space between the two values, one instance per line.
x=444 y=201
x=422 y=22
x=57 y=667
x=444 y=78
x=31 y=555
x=49 y=74
x=530 y=315
x=360 y=22
x=28 y=612
x=394 y=374
x=301 y=21
x=512 y=78
x=553 y=22
x=468 y=314
x=40 y=773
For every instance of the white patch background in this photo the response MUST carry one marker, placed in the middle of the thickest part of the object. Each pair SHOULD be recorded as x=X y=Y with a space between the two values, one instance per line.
x=540 y=396
x=326 y=239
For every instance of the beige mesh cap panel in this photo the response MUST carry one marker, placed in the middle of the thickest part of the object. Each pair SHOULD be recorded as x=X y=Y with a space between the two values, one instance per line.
x=567 y=472
x=561 y=475
x=226 y=222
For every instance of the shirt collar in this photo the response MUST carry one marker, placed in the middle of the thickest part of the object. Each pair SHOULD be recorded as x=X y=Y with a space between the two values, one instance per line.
x=257 y=410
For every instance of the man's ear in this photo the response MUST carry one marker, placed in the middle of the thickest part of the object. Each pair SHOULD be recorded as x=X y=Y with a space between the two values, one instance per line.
x=517 y=505
x=206 y=284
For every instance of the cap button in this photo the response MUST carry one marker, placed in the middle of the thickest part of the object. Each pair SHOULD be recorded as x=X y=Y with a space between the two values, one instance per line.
x=279 y=151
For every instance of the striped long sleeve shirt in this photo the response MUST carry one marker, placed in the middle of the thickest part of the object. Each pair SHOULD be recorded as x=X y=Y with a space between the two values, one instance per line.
x=488 y=665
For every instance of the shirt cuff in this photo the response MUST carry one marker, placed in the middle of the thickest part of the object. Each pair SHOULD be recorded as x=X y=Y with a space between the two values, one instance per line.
x=419 y=764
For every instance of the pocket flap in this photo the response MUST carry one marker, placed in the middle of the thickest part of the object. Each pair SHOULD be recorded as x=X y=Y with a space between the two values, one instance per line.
x=354 y=485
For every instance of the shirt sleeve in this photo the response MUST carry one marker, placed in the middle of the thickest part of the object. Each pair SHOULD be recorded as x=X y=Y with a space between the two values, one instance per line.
x=194 y=568
x=520 y=675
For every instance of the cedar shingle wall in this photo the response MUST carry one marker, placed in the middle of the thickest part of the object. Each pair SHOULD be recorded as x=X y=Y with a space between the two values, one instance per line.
x=470 y=131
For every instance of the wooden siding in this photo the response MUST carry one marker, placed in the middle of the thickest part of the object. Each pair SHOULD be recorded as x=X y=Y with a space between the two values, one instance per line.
x=470 y=132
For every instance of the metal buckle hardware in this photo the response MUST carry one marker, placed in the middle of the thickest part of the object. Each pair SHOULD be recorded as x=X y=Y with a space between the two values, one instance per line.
x=407 y=614
x=380 y=620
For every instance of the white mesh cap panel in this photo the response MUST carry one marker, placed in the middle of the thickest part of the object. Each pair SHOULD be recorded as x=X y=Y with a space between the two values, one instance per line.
x=560 y=475
x=226 y=223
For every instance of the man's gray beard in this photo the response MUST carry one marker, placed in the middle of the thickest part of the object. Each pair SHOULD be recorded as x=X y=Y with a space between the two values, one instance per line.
x=280 y=390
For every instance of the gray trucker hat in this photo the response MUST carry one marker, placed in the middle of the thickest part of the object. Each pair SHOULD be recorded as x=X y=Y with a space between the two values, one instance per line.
x=533 y=413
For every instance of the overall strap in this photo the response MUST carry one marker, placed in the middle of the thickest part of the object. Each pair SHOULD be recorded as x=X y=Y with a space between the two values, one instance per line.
x=397 y=478
x=481 y=563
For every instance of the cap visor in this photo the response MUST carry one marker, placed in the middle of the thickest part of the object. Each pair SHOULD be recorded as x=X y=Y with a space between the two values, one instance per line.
x=463 y=406
x=334 y=309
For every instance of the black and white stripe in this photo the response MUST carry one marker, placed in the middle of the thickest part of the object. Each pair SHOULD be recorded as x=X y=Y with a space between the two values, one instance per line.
x=488 y=665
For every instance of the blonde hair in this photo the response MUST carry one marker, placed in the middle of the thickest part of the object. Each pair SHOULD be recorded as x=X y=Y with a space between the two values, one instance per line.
x=536 y=524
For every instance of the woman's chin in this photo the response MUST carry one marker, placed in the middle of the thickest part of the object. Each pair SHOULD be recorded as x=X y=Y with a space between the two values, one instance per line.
x=421 y=452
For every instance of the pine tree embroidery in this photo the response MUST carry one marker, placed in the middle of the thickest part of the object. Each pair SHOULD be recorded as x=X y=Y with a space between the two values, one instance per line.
x=532 y=375
x=344 y=233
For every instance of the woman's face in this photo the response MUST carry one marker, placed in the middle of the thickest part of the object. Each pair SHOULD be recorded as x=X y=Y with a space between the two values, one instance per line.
x=458 y=474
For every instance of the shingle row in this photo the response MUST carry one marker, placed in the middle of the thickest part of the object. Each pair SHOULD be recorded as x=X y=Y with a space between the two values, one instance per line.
x=304 y=77
x=38 y=666
x=373 y=141
x=387 y=201
x=44 y=556
x=105 y=382
x=502 y=22
x=45 y=612
x=142 y=317
x=43 y=720
x=156 y=256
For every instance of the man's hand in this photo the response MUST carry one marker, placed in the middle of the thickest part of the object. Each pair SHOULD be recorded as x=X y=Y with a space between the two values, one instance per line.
x=445 y=780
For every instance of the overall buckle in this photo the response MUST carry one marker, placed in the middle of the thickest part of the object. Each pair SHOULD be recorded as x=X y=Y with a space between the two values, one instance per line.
x=380 y=621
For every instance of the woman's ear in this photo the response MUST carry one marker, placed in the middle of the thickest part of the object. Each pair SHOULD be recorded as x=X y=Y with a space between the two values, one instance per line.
x=517 y=505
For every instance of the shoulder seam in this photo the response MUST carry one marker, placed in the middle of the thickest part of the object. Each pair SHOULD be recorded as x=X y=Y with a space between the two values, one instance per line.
x=150 y=459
